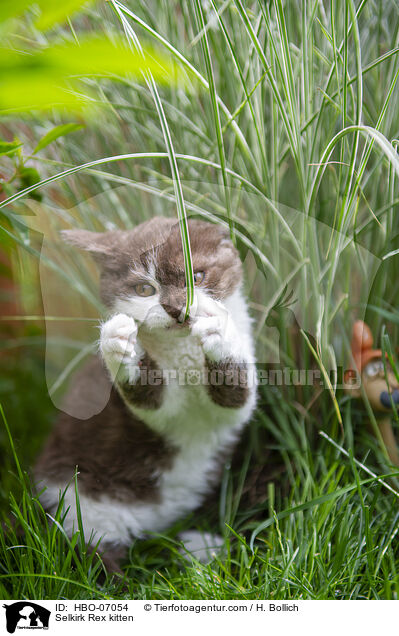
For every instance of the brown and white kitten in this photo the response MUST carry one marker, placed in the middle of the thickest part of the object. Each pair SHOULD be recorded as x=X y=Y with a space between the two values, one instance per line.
x=182 y=390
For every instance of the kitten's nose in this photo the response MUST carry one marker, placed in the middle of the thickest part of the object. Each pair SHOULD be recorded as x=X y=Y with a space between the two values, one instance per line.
x=177 y=313
x=175 y=304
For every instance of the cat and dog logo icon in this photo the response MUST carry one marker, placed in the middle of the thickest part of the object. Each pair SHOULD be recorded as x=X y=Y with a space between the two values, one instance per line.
x=26 y=615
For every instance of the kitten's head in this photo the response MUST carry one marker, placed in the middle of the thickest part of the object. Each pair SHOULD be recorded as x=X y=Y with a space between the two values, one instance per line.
x=142 y=270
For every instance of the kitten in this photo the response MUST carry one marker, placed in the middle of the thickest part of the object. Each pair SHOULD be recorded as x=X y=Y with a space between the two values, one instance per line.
x=182 y=389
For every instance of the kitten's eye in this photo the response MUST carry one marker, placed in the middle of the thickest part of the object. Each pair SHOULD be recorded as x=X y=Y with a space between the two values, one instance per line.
x=199 y=277
x=144 y=289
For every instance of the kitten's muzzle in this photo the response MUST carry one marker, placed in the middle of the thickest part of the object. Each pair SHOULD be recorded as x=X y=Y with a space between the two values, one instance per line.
x=175 y=305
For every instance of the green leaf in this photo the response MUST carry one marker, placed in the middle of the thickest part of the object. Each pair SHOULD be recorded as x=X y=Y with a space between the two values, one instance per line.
x=12 y=8
x=96 y=54
x=27 y=90
x=57 y=12
x=55 y=133
x=28 y=177
x=9 y=147
x=52 y=13
x=49 y=77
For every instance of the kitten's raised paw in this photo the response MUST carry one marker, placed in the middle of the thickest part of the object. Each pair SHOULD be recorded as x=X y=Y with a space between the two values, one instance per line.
x=118 y=343
x=219 y=337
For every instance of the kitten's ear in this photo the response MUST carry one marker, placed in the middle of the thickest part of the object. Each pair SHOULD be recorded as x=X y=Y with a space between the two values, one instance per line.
x=97 y=243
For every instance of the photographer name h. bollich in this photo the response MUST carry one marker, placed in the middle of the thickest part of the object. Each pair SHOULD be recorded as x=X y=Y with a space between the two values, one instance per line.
x=284 y=607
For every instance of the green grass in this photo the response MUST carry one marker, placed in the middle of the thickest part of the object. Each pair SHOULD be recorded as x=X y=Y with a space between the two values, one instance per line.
x=333 y=535
x=285 y=130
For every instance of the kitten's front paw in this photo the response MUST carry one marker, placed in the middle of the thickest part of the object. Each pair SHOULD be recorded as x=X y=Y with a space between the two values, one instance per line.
x=118 y=344
x=218 y=335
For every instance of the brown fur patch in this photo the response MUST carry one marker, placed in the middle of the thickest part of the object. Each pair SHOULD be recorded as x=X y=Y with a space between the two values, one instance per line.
x=228 y=383
x=145 y=394
x=116 y=454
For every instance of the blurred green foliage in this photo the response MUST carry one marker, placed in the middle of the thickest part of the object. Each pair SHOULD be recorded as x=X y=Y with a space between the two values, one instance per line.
x=38 y=72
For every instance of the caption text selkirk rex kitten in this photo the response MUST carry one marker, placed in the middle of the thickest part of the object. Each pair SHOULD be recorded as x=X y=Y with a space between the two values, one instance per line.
x=157 y=448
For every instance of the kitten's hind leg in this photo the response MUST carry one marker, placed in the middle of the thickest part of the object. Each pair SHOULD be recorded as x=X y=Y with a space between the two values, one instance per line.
x=204 y=546
x=112 y=556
